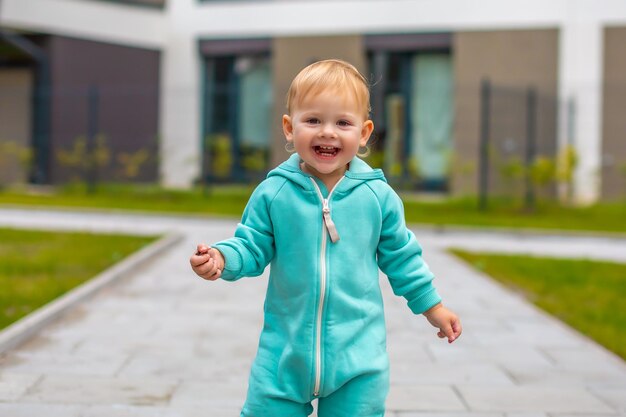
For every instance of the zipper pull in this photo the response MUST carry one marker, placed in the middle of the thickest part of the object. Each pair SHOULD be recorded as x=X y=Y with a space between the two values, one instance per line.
x=328 y=221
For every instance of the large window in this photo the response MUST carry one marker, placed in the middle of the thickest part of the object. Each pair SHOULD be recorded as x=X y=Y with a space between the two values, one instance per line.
x=238 y=104
x=412 y=100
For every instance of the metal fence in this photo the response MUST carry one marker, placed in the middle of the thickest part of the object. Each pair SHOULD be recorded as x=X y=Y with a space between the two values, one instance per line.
x=518 y=144
x=91 y=134
x=110 y=133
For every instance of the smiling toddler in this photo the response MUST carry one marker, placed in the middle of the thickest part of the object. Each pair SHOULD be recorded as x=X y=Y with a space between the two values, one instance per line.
x=326 y=223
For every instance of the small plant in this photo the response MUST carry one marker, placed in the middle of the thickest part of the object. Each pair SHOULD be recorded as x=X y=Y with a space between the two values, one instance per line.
x=458 y=166
x=85 y=162
x=623 y=171
x=220 y=155
x=11 y=151
x=396 y=169
x=567 y=160
x=254 y=160
x=413 y=169
x=375 y=159
x=542 y=171
x=512 y=173
x=131 y=162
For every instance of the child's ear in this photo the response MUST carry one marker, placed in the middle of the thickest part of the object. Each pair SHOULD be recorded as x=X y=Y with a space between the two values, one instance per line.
x=366 y=132
x=287 y=127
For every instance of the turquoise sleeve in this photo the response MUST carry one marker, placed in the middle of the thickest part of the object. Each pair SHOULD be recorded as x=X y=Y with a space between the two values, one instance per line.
x=400 y=258
x=252 y=247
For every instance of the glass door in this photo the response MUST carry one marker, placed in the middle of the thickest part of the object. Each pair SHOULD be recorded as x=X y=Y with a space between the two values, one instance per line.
x=431 y=115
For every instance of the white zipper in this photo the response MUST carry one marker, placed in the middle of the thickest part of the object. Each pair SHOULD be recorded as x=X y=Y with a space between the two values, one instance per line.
x=318 y=327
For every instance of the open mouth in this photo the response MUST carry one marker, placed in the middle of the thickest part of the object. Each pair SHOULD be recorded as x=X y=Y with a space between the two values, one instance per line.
x=326 y=150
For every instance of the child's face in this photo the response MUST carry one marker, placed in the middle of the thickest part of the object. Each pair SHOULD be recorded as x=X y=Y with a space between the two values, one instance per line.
x=326 y=131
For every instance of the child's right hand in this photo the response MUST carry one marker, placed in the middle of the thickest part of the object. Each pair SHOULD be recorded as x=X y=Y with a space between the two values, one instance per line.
x=448 y=323
x=207 y=262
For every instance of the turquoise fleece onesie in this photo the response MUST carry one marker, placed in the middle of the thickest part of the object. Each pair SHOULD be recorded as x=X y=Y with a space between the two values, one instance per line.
x=324 y=332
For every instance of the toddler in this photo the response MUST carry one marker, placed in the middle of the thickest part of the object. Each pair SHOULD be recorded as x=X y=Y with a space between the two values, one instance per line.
x=326 y=222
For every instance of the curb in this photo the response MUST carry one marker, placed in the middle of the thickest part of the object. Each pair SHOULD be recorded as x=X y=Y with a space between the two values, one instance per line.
x=25 y=328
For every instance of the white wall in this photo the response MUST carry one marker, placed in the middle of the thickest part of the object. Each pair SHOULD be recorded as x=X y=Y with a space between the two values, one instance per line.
x=181 y=86
x=93 y=20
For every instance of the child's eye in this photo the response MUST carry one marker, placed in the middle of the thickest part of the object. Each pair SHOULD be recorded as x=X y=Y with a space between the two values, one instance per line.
x=313 y=120
x=343 y=123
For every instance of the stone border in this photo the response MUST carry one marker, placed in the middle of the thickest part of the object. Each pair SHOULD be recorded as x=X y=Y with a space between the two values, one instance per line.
x=23 y=329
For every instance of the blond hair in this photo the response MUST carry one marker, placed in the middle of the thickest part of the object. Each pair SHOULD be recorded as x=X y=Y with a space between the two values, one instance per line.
x=331 y=74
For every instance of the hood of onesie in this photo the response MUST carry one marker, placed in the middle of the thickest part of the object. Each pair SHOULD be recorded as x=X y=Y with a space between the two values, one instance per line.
x=358 y=172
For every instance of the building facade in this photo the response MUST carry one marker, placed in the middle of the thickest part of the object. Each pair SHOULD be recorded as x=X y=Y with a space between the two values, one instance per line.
x=204 y=82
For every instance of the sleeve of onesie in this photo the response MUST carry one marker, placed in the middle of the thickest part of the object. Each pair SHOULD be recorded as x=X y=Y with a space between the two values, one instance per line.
x=252 y=247
x=400 y=257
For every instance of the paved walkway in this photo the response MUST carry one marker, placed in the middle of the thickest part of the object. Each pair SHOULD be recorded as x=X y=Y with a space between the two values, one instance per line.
x=166 y=344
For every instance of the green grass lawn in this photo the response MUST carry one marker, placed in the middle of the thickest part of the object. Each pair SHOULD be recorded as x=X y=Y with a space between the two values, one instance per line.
x=230 y=201
x=37 y=267
x=222 y=200
x=604 y=217
x=587 y=295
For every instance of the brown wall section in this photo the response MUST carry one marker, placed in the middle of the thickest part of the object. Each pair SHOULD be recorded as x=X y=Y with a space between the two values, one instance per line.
x=516 y=59
x=614 y=110
x=292 y=54
x=127 y=81
x=15 y=122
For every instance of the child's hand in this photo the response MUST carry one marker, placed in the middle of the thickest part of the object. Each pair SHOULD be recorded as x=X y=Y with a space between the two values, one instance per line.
x=448 y=323
x=207 y=262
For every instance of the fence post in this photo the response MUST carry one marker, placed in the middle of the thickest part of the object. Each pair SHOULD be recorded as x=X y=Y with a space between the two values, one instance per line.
x=483 y=158
x=531 y=124
x=571 y=141
x=92 y=131
x=40 y=165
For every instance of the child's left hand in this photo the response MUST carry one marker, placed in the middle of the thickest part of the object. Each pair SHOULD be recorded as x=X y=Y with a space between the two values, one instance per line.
x=448 y=323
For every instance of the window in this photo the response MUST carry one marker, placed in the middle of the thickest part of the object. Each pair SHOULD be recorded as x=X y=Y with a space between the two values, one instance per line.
x=412 y=103
x=238 y=104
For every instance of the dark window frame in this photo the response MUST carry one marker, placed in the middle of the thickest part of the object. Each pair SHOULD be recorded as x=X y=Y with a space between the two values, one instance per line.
x=212 y=49
x=379 y=48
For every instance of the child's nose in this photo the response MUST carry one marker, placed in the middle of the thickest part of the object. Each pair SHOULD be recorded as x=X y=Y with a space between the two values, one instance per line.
x=328 y=130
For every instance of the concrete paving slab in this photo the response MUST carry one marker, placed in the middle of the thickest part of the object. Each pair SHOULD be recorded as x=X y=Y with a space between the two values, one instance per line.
x=556 y=375
x=584 y=415
x=423 y=398
x=431 y=414
x=22 y=409
x=122 y=410
x=586 y=357
x=66 y=363
x=210 y=395
x=66 y=389
x=532 y=399
x=615 y=397
x=468 y=414
x=188 y=366
x=521 y=355
x=13 y=385
x=145 y=411
x=407 y=372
